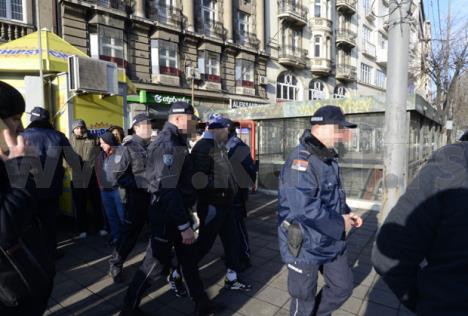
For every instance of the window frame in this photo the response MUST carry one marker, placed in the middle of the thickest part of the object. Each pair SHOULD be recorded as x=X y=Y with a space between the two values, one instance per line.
x=9 y=11
x=96 y=34
x=366 y=73
x=317 y=46
x=380 y=79
x=157 y=67
x=317 y=90
x=317 y=8
x=206 y=66
x=288 y=86
x=244 y=73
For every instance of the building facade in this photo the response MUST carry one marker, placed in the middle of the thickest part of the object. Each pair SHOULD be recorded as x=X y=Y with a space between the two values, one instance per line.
x=323 y=49
x=173 y=49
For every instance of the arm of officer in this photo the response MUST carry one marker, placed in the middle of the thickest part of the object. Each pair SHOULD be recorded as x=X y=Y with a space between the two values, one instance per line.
x=407 y=235
x=119 y=167
x=303 y=193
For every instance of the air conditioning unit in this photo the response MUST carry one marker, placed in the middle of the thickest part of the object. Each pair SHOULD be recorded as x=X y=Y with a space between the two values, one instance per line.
x=262 y=80
x=92 y=75
x=192 y=73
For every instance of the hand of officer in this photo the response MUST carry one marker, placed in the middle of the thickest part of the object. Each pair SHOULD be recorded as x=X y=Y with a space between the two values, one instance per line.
x=347 y=222
x=16 y=147
x=356 y=220
x=188 y=236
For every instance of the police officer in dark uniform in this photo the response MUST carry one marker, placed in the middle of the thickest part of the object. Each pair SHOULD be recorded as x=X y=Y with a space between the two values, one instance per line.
x=313 y=217
x=169 y=173
x=129 y=168
x=246 y=174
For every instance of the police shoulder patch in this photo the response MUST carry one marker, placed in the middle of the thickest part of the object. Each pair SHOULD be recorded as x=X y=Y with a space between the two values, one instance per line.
x=117 y=158
x=299 y=165
x=168 y=159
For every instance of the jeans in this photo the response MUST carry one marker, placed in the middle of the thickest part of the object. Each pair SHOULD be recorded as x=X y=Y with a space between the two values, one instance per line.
x=114 y=211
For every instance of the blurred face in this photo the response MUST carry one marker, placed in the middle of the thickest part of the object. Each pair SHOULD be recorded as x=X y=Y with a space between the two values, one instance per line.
x=330 y=135
x=105 y=147
x=116 y=134
x=143 y=129
x=14 y=123
x=79 y=131
x=184 y=122
x=220 y=135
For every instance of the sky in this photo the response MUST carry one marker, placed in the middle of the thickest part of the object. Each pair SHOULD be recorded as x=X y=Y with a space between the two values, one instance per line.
x=459 y=11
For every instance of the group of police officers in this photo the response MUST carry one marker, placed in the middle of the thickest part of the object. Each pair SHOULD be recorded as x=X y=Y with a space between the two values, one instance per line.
x=164 y=179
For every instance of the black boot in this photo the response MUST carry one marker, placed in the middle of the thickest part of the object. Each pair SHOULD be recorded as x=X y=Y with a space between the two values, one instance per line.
x=132 y=312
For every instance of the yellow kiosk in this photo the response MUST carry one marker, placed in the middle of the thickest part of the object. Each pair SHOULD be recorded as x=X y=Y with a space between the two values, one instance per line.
x=19 y=66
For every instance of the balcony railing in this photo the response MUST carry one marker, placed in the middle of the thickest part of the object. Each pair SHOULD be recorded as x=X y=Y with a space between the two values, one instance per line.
x=346 y=36
x=291 y=10
x=167 y=15
x=292 y=56
x=368 y=49
x=321 y=23
x=111 y=4
x=247 y=39
x=320 y=65
x=346 y=5
x=11 y=30
x=210 y=28
x=346 y=72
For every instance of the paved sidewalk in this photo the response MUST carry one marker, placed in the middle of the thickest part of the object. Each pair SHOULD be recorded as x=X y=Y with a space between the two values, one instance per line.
x=82 y=286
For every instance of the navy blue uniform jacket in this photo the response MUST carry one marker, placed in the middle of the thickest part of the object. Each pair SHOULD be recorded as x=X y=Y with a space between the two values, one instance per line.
x=310 y=193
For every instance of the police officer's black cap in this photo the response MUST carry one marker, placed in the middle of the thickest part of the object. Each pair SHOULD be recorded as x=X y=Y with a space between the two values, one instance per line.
x=181 y=107
x=11 y=101
x=140 y=118
x=39 y=114
x=330 y=114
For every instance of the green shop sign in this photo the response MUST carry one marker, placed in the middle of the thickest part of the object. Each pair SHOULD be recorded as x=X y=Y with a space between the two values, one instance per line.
x=157 y=98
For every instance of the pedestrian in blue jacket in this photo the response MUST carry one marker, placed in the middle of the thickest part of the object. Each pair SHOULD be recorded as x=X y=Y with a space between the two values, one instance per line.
x=313 y=217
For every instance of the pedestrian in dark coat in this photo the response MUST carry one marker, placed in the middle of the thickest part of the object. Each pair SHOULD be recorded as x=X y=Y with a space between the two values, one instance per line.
x=26 y=270
x=246 y=174
x=51 y=146
x=421 y=250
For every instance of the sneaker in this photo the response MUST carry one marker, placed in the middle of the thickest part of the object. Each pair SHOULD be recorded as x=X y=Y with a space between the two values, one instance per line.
x=102 y=233
x=83 y=235
x=236 y=285
x=177 y=286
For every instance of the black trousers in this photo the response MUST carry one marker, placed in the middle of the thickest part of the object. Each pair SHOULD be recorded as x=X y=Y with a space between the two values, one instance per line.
x=219 y=220
x=240 y=214
x=302 y=286
x=48 y=209
x=136 y=216
x=158 y=258
x=81 y=196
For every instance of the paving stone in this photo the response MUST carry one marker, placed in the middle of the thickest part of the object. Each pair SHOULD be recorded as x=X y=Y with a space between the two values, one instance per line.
x=255 y=307
x=341 y=312
x=352 y=305
x=384 y=298
x=273 y=296
x=360 y=291
x=373 y=309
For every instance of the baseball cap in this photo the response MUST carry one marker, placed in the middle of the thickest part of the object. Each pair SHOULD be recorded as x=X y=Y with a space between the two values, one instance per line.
x=39 y=114
x=330 y=114
x=140 y=118
x=181 y=107
x=217 y=121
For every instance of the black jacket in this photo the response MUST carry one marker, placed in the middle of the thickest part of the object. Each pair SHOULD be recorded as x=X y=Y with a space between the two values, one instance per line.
x=169 y=174
x=19 y=222
x=214 y=177
x=51 y=146
x=243 y=165
x=129 y=164
x=421 y=249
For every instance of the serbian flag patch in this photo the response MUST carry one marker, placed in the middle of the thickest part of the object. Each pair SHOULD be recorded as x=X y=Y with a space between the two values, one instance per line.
x=299 y=165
